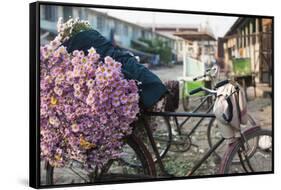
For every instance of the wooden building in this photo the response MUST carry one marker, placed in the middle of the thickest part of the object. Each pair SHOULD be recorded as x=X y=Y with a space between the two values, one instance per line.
x=248 y=46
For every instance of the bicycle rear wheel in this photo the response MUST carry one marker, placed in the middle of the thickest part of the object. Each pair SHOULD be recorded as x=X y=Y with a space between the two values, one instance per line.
x=259 y=161
x=134 y=151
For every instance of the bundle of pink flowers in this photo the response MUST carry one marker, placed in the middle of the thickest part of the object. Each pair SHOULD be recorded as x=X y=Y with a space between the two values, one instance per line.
x=86 y=106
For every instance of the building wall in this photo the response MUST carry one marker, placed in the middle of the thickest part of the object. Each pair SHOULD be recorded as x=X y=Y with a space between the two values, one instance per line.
x=124 y=32
x=246 y=42
x=177 y=43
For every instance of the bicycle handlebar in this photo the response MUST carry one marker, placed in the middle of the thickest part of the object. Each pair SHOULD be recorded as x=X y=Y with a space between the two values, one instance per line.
x=224 y=82
x=221 y=83
x=199 y=77
x=209 y=91
x=206 y=73
x=196 y=90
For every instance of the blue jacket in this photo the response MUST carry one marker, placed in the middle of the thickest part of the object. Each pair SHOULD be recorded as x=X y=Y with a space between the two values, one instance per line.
x=151 y=88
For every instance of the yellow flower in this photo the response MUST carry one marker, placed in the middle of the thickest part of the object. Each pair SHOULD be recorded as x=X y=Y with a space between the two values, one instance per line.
x=54 y=101
x=85 y=144
x=57 y=157
x=84 y=60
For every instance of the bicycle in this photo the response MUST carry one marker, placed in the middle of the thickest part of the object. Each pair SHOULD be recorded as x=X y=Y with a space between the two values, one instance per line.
x=165 y=138
x=252 y=133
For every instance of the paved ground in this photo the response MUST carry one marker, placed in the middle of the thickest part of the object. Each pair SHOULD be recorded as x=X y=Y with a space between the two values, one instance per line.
x=168 y=73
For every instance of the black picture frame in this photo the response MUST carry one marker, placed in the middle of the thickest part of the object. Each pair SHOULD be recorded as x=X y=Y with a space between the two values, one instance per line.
x=34 y=91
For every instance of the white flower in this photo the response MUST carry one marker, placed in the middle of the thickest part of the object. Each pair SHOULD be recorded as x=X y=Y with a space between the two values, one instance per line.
x=90 y=99
x=58 y=91
x=91 y=51
x=60 y=25
x=77 y=93
x=66 y=29
x=76 y=86
x=90 y=83
x=75 y=128
x=54 y=121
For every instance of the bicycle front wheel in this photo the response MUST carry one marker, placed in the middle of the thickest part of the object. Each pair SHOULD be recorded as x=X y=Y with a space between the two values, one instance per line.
x=214 y=135
x=134 y=151
x=259 y=161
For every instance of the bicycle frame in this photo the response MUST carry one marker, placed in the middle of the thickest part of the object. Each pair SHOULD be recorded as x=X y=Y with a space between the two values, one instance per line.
x=207 y=154
x=179 y=126
x=179 y=114
x=191 y=114
x=188 y=115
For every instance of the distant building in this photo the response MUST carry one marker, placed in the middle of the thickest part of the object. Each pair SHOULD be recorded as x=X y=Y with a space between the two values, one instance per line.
x=191 y=47
x=250 y=39
x=201 y=48
x=169 y=30
x=120 y=32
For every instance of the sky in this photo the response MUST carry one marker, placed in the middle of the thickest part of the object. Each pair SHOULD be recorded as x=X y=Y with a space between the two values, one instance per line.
x=218 y=24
